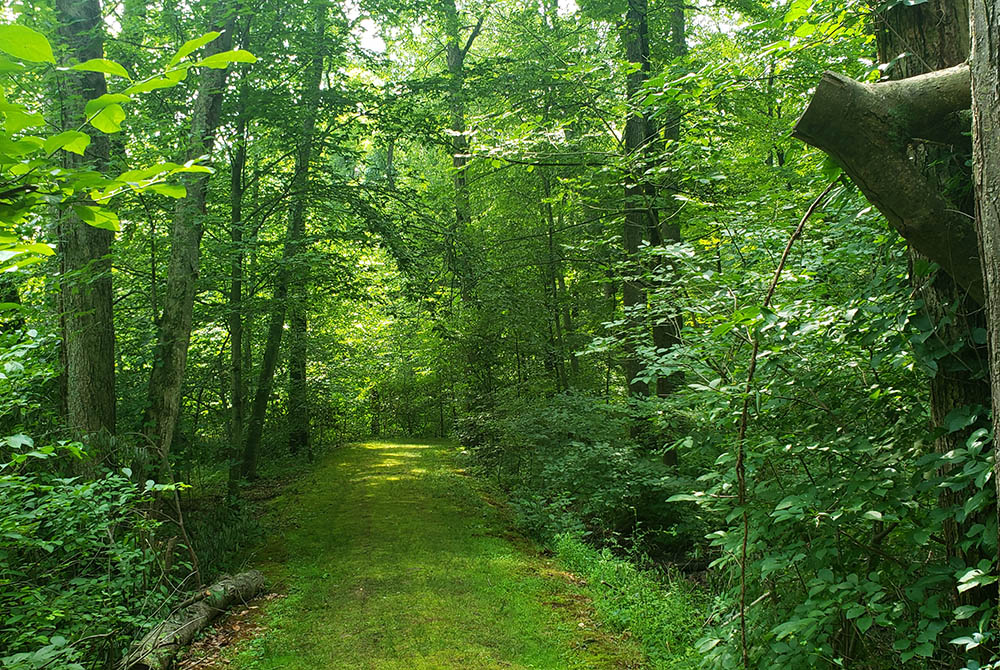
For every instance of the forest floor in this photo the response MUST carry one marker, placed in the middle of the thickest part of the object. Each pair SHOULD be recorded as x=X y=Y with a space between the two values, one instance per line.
x=388 y=555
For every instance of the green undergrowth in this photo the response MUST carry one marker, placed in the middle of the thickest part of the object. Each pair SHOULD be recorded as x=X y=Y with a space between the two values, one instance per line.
x=389 y=556
x=662 y=612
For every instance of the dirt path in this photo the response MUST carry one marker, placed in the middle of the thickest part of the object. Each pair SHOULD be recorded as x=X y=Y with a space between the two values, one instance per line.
x=391 y=558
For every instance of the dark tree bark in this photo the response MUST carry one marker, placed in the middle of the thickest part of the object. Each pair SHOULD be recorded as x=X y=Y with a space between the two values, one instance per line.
x=986 y=158
x=170 y=357
x=667 y=326
x=86 y=290
x=455 y=54
x=640 y=214
x=914 y=40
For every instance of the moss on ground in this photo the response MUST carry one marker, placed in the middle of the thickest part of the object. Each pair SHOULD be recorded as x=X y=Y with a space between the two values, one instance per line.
x=391 y=558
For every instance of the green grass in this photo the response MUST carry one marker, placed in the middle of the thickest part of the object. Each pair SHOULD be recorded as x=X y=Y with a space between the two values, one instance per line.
x=392 y=558
x=663 y=612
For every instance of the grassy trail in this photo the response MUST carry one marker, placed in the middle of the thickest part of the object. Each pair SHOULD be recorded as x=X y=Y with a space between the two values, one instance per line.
x=392 y=558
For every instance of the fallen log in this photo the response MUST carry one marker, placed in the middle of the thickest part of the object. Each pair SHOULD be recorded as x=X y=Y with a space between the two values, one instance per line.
x=158 y=649
x=869 y=128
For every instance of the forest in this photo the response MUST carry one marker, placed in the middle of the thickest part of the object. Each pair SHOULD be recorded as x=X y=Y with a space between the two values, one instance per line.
x=500 y=333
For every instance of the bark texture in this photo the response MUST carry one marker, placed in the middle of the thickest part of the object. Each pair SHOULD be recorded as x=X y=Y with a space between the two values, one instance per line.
x=170 y=357
x=914 y=40
x=986 y=158
x=86 y=291
x=640 y=212
x=867 y=128
x=158 y=649
x=455 y=54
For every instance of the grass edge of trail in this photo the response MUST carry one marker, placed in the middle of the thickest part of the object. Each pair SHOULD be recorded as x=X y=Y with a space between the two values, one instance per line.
x=536 y=591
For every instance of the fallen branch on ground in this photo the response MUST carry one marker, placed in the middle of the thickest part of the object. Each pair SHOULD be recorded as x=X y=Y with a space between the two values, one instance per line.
x=158 y=649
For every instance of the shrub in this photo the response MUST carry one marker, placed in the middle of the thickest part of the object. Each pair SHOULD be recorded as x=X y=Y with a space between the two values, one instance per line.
x=78 y=572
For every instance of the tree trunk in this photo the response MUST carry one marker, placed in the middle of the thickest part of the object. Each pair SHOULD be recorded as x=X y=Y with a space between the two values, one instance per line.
x=237 y=385
x=86 y=291
x=298 y=396
x=170 y=357
x=986 y=159
x=455 y=54
x=640 y=215
x=667 y=327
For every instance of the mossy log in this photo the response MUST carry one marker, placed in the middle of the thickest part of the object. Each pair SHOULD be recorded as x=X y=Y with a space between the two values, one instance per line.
x=159 y=648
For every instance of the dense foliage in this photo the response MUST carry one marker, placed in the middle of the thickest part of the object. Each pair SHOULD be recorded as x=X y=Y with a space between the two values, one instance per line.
x=576 y=237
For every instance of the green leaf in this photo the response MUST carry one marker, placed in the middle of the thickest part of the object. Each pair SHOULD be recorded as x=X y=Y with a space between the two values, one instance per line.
x=864 y=623
x=873 y=515
x=69 y=140
x=98 y=217
x=24 y=43
x=18 y=441
x=109 y=120
x=18 y=121
x=97 y=104
x=102 y=65
x=223 y=59
x=152 y=85
x=192 y=45
x=169 y=190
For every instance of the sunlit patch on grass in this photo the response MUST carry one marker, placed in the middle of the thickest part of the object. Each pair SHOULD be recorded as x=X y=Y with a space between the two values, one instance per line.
x=393 y=560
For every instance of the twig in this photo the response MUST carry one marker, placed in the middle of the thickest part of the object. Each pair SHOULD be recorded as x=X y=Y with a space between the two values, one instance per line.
x=741 y=475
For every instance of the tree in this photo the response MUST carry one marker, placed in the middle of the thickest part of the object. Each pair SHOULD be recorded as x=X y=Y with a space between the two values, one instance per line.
x=986 y=158
x=85 y=250
x=170 y=358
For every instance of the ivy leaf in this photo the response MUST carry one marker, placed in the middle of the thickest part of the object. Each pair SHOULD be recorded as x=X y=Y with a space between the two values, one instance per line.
x=102 y=65
x=24 y=43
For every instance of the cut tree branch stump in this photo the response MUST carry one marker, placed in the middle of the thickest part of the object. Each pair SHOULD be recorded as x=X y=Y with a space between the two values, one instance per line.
x=869 y=128
x=159 y=648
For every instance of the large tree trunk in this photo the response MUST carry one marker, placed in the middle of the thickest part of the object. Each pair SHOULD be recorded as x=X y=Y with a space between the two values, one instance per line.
x=640 y=213
x=86 y=291
x=236 y=378
x=668 y=322
x=914 y=40
x=455 y=54
x=986 y=158
x=170 y=357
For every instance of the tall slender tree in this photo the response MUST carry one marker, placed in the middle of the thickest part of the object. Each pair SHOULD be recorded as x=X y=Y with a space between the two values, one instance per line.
x=170 y=358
